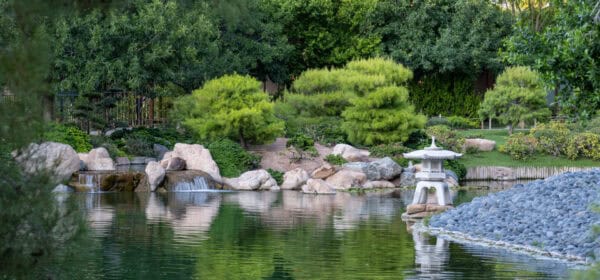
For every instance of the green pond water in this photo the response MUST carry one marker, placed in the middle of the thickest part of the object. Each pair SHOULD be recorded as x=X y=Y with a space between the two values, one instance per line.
x=279 y=235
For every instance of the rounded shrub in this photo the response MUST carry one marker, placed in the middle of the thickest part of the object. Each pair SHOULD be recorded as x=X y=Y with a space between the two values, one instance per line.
x=388 y=150
x=335 y=159
x=70 y=135
x=584 y=144
x=446 y=137
x=520 y=146
x=552 y=138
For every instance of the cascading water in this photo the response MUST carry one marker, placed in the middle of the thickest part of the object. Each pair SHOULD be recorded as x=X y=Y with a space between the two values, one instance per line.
x=197 y=185
x=89 y=181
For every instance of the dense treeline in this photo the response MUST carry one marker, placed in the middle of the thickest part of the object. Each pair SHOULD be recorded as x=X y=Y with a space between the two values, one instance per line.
x=454 y=48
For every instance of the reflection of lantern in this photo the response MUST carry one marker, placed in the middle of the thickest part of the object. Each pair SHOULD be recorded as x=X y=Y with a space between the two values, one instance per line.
x=432 y=173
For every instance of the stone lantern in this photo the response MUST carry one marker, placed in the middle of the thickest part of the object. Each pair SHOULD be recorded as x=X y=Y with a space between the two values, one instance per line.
x=432 y=174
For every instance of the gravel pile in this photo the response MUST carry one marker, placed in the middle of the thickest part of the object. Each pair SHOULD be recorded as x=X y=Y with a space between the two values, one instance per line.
x=552 y=215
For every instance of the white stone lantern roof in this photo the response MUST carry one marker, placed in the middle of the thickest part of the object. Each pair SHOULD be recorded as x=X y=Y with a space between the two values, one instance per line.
x=432 y=152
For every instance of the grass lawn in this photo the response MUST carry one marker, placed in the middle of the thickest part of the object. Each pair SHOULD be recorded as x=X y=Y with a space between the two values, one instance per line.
x=496 y=158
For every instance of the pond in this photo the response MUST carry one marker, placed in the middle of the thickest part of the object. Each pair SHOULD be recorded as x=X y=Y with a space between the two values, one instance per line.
x=281 y=235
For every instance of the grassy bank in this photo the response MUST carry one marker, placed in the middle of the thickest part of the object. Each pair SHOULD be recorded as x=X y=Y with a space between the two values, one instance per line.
x=495 y=158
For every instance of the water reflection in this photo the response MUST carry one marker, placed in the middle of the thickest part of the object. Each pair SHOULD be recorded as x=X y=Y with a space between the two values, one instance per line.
x=291 y=208
x=280 y=235
x=430 y=259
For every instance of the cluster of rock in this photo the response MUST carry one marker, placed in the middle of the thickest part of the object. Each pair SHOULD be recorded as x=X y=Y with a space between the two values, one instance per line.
x=552 y=215
x=62 y=161
x=183 y=157
x=358 y=173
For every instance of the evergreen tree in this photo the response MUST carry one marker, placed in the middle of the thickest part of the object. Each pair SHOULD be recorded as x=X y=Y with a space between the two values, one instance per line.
x=383 y=116
x=517 y=96
x=232 y=106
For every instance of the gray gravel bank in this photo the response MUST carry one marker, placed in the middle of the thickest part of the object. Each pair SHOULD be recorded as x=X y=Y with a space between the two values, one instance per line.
x=552 y=215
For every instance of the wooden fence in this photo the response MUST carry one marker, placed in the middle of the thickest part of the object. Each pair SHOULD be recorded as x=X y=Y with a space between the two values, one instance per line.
x=516 y=173
x=130 y=109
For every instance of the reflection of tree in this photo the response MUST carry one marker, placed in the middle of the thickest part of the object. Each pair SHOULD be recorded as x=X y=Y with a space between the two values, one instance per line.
x=242 y=246
x=279 y=271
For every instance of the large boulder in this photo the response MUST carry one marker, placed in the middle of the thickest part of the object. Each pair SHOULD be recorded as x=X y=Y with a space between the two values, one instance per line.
x=378 y=184
x=196 y=157
x=381 y=169
x=345 y=179
x=406 y=179
x=350 y=153
x=155 y=174
x=323 y=172
x=159 y=150
x=294 y=179
x=98 y=159
x=483 y=145
x=317 y=186
x=58 y=160
x=253 y=180
x=173 y=163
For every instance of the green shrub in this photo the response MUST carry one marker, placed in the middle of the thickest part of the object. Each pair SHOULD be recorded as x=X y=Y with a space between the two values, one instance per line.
x=232 y=106
x=277 y=175
x=458 y=168
x=458 y=122
x=325 y=130
x=70 y=135
x=446 y=137
x=593 y=125
x=303 y=143
x=520 y=146
x=433 y=121
x=584 y=144
x=231 y=158
x=335 y=159
x=109 y=144
x=417 y=139
x=388 y=150
x=400 y=160
x=138 y=145
x=552 y=138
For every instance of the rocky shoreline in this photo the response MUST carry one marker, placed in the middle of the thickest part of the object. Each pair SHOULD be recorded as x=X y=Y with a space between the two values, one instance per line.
x=550 y=218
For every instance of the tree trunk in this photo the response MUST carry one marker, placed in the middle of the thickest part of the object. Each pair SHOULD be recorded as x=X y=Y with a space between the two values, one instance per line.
x=490 y=123
x=510 y=129
x=48 y=107
x=242 y=141
x=138 y=110
x=151 y=111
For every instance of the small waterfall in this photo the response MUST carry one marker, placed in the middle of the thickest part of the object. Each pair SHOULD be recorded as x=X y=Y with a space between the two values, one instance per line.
x=90 y=181
x=197 y=185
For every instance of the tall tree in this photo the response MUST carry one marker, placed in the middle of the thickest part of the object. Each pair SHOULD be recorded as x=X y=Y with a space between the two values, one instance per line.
x=251 y=40
x=142 y=47
x=517 y=96
x=37 y=230
x=442 y=36
x=325 y=33
x=565 y=52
